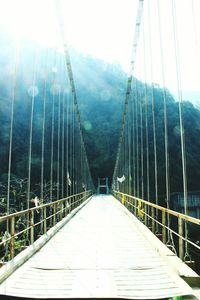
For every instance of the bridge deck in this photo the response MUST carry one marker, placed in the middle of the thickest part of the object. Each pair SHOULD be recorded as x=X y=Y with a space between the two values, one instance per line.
x=101 y=252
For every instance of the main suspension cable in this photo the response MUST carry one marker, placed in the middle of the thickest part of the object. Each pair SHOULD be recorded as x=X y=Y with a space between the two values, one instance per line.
x=130 y=78
x=75 y=111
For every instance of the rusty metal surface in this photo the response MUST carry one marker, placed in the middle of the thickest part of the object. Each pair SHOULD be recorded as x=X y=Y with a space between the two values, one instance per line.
x=101 y=252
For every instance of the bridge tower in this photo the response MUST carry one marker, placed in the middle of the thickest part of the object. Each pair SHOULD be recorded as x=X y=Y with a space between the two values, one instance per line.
x=103 y=183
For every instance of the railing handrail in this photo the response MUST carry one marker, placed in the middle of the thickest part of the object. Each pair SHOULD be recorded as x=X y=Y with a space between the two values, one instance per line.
x=167 y=210
x=56 y=214
x=26 y=211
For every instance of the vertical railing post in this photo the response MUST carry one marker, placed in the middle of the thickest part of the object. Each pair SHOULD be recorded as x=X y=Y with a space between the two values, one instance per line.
x=131 y=206
x=32 y=227
x=145 y=215
x=54 y=214
x=164 y=236
x=45 y=219
x=61 y=210
x=180 y=240
x=135 y=208
x=83 y=198
x=153 y=219
x=123 y=200
x=157 y=220
x=12 y=241
x=70 y=203
x=66 y=208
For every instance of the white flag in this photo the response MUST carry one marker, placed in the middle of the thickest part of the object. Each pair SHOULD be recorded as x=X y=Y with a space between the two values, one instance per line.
x=36 y=201
x=121 y=179
x=68 y=179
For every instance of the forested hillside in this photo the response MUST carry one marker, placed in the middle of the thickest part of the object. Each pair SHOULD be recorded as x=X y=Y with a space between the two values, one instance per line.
x=101 y=89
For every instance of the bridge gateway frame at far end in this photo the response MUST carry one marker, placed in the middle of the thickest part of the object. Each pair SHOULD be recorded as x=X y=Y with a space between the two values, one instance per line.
x=99 y=250
x=103 y=185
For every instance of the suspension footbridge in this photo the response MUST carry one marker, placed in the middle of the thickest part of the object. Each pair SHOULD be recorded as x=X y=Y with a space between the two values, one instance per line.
x=62 y=238
x=103 y=251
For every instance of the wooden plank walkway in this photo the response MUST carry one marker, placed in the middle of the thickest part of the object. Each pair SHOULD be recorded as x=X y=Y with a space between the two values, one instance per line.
x=101 y=252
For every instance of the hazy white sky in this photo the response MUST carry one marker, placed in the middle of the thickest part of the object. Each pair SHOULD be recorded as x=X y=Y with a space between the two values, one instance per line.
x=105 y=29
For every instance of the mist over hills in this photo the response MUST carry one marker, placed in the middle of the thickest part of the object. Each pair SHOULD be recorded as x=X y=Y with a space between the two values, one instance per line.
x=192 y=96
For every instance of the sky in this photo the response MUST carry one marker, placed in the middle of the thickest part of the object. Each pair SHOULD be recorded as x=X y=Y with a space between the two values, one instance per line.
x=105 y=29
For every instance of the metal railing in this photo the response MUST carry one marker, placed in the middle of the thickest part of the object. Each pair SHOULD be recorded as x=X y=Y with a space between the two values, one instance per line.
x=154 y=216
x=27 y=225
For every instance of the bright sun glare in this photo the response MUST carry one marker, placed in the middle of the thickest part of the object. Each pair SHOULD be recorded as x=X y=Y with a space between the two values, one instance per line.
x=105 y=29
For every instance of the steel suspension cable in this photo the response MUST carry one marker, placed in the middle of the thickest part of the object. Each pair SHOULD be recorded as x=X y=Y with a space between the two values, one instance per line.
x=137 y=137
x=141 y=145
x=129 y=150
x=73 y=149
x=165 y=111
x=70 y=144
x=52 y=148
x=43 y=128
x=58 y=145
x=67 y=147
x=75 y=158
x=16 y=64
x=52 y=131
x=153 y=109
x=146 y=118
x=133 y=144
x=63 y=143
x=31 y=127
x=77 y=161
x=182 y=132
x=170 y=237
x=124 y=159
x=153 y=113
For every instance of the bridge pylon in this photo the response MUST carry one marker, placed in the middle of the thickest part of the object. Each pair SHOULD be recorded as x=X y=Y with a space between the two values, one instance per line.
x=103 y=183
